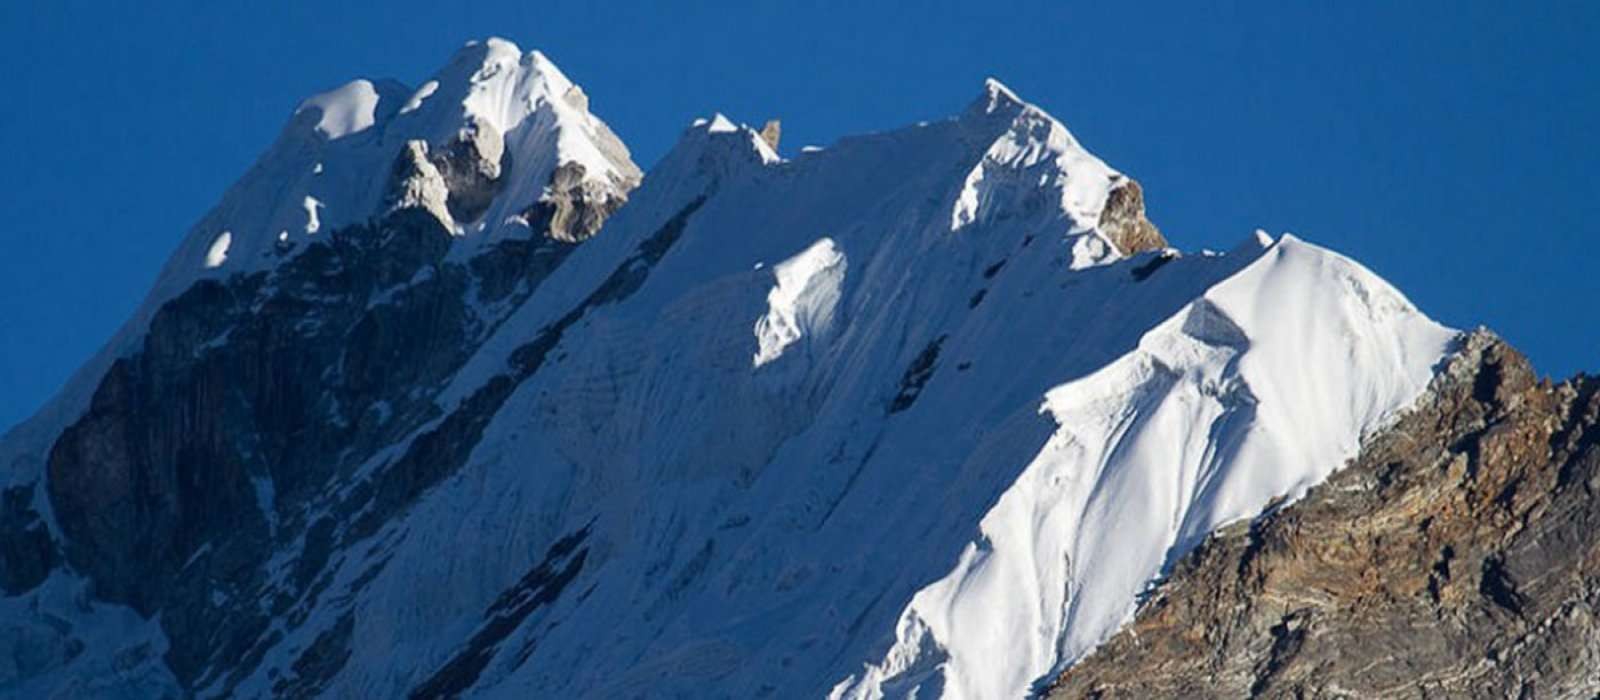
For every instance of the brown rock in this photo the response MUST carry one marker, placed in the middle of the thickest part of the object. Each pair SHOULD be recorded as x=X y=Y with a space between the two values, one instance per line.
x=771 y=132
x=574 y=207
x=1457 y=556
x=1123 y=220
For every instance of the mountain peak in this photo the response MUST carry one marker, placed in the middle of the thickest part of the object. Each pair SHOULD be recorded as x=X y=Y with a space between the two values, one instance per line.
x=718 y=145
x=1032 y=150
x=390 y=396
x=996 y=97
x=510 y=119
x=496 y=81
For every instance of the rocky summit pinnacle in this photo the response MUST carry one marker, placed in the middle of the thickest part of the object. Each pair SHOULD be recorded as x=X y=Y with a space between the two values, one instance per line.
x=446 y=398
x=771 y=132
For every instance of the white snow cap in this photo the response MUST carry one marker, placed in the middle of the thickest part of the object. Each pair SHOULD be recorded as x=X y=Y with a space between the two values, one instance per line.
x=1035 y=152
x=330 y=166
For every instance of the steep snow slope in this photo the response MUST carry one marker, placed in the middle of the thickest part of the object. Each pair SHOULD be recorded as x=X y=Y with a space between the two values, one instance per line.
x=755 y=528
x=902 y=416
x=331 y=166
x=1255 y=391
x=711 y=488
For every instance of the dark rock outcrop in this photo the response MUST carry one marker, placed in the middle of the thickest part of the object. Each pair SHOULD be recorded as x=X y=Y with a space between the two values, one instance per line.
x=27 y=554
x=1455 y=557
x=217 y=441
x=472 y=165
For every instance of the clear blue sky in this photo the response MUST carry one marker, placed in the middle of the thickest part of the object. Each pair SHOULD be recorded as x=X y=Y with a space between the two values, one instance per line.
x=1448 y=146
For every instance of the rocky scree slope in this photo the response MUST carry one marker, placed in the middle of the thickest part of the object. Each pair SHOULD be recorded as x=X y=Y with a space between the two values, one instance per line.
x=443 y=399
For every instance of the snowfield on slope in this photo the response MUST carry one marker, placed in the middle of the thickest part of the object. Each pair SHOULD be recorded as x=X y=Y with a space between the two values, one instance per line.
x=892 y=418
x=1255 y=391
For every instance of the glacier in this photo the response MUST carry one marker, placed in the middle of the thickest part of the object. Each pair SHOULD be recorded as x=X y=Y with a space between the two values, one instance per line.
x=905 y=416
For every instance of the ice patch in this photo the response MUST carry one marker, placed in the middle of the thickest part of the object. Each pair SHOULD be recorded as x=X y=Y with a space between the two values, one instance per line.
x=218 y=252
x=802 y=301
x=345 y=110
x=421 y=94
x=312 y=222
x=1091 y=249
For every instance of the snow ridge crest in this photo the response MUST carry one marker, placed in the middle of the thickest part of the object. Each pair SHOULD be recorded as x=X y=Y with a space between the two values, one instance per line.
x=1034 y=151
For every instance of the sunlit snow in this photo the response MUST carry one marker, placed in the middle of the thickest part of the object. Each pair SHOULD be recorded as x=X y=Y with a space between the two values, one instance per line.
x=421 y=94
x=344 y=110
x=802 y=299
x=937 y=450
x=312 y=222
x=218 y=252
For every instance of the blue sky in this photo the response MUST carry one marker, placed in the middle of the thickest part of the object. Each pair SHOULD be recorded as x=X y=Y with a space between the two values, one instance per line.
x=1445 y=145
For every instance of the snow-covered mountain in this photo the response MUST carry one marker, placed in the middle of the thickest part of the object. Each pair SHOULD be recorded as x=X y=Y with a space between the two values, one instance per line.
x=443 y=399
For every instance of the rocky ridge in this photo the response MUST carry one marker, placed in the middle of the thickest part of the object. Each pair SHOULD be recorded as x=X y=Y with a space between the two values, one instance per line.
x=1455 y=557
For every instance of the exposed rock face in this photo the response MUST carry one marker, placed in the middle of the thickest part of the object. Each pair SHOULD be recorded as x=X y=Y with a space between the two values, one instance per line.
x=1124 y=222
x=456 y=182
x=576 y=97
x=772 y=132
x=206 y=448
x=416 y=183
x=472 y=164
x=1455 y=557
x=573 y=207
x=26 y=552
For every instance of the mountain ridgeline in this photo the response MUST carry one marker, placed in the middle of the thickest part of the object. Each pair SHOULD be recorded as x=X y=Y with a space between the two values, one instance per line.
x=447 y=398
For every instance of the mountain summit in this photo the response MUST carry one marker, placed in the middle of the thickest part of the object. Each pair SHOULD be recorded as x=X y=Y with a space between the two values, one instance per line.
x=495 y=141
x=445 y=398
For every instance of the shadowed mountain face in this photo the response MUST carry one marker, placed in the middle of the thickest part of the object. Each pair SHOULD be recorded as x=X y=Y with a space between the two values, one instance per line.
x=1456 y=557
x=207 y=448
